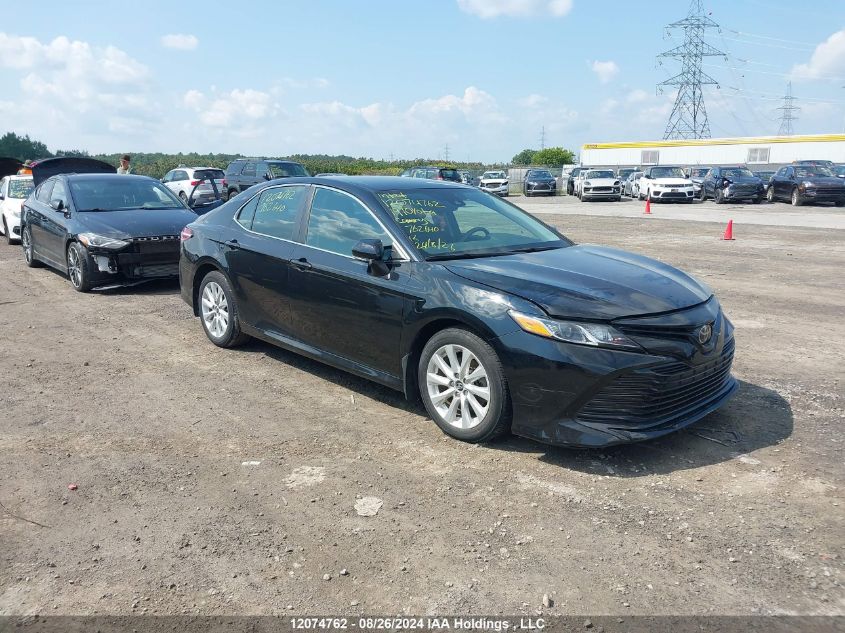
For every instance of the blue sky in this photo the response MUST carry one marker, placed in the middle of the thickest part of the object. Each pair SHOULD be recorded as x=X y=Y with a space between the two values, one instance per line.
x=379 y=78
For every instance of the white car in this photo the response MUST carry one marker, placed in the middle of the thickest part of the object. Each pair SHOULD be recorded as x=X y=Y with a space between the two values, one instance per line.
x=594 y=184
x=666 y=183
x=494 y=182
x=182 y=181
x=13 y=191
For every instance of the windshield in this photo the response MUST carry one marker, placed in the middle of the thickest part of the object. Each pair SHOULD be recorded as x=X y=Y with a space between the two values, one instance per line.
x=599 y=173
x=493 y=174
x=624 y=173
x=20 y=188
x=217 y=174
x=839 y=170
x=286 y=170
x=812 y=172
x=444 y=223
x=699 y=172
x=667 y=172
x=540 y=174
x=114 y=194
x=737 y=173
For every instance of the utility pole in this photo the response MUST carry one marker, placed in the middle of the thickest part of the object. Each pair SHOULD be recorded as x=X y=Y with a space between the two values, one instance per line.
x=543 y=137
x=446 y=153
x=787 y=108
x=689 y=116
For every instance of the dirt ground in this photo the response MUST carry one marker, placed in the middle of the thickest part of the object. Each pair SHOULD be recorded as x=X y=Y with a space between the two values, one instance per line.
x=225 y=481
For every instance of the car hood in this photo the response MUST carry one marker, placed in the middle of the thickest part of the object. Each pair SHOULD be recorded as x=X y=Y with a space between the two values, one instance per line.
x=12 y=204
x=672 y=182
x=824 y=181
x=43 y=169
x=745 y=180
x=129 y=223
x=494 y=180
x=587 y=282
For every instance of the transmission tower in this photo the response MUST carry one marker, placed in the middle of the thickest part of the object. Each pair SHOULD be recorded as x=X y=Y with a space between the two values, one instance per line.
x=543 y=137
x=689 y=117
x=787 y=108
x=446 y=153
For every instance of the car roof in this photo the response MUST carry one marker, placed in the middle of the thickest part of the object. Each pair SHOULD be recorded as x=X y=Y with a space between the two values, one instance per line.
x=90 y=177
x=370 y=184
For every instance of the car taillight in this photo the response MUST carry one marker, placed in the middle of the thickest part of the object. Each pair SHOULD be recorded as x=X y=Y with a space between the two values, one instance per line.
x=186 y=234
x=439 y=177
x=194 y=183
x=224 y=182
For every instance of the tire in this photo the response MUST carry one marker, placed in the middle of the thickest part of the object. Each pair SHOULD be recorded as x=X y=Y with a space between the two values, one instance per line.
x=183 y=197
x=232 y=193
x=28 y=252
x=483 y=423
x=7 y=232
x=718 y=196
x=840 y=203
x=756 y=200
x=702 y=195
x=78 y=267
x=770 y=194
x=797 y=200
x=219 y=312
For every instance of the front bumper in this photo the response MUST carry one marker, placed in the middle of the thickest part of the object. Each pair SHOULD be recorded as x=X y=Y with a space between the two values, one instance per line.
x=573 y=395
x=733 y=192
x=541 y=187
x=812 y=194
x=500 y=190
x=145 y=258
x=601 y=192
x=673 y=193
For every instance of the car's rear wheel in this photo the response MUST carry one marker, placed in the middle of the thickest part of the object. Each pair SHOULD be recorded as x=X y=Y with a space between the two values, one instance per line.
x=797 y=199
x=78 y=267
x=463 y=387
x=183 y=197
x=718 y=196
x=219 y=312
x=702 y=195
x=7 y=232
x=770 y=194
x=28 y=252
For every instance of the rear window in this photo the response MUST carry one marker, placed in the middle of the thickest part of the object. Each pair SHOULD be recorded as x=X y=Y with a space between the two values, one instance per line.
x=450 y=174
x=286 y=170
x=20 y=188
x=217 y=174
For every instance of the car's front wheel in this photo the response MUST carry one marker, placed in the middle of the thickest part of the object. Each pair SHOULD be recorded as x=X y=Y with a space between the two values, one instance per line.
x=219 y=312
x=718 y=196
x=7 y=232
x=28 y=253
x=463 y=386
x=78 y=267
x=770 y=194
x=797 y=198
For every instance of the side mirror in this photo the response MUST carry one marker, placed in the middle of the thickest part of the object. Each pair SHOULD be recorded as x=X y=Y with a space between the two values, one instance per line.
x=266 y=175
x=369 y=250
x=57 y=205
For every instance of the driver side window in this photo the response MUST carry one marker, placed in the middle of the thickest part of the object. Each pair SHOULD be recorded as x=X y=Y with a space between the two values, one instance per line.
x=338 y=222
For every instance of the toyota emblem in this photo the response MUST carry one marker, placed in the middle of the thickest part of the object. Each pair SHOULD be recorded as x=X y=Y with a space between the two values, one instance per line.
x=705 y=333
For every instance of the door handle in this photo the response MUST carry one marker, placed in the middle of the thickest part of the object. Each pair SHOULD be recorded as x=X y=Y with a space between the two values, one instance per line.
x=233 y=244
x=303 y=264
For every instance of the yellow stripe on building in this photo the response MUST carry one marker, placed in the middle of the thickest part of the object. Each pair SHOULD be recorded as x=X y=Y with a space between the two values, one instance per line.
x=750 y=140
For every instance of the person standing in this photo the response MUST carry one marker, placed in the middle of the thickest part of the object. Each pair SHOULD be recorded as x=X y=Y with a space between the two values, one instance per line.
x=124 y=165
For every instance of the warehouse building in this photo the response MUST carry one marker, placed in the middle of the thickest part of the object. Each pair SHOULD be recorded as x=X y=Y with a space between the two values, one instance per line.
x=761 y=151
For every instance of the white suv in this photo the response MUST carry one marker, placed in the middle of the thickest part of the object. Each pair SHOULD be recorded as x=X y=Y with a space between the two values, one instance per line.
x=182 y=181
x=13 y=190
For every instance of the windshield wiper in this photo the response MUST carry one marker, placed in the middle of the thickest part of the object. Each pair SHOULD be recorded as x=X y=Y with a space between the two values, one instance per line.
x=533 y=249
x=444 y=256
x=94 y=209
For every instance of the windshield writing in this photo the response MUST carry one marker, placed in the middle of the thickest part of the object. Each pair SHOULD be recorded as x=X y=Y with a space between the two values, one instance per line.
x=20 y=188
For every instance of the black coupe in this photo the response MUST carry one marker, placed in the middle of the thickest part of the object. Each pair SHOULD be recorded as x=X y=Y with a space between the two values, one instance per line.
x=497 y=321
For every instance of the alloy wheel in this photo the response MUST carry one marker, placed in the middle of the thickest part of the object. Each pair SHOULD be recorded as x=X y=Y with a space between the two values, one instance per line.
x=26 y=241
x=770 y=194
x=215 y=309
x=458 y=386
x=74 y=267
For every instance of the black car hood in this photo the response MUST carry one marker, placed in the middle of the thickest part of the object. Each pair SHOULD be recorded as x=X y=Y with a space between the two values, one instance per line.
x=129 y=223
x=823 y=181
x=746 y=180
x=9 y=166
x=44 y=169
x=587 y=282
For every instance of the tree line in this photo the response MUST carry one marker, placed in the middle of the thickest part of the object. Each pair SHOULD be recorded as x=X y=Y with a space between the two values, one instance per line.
x=156 y=164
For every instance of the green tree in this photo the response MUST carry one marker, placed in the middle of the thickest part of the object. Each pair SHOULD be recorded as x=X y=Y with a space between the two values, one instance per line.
x=22 y=147
x=554 y=157
x=525 y=157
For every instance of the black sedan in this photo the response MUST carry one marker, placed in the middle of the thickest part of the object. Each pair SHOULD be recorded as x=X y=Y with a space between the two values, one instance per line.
x=725 y=184
x=497 y=321
x=101 y=228
x=804 y=183
x=539 y=181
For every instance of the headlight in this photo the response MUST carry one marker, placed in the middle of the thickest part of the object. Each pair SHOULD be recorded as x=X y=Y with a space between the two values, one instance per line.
x=531 y=182
x=588 y=184
x=101 y=241
x=594 y=334
x=616 y=183
x=808 y=184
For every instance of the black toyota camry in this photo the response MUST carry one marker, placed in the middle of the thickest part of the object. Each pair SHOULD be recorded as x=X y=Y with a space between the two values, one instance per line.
x=497 y=321
x=101 y=228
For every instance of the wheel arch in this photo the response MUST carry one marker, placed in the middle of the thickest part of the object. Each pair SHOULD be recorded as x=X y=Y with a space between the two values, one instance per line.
x=204 y=267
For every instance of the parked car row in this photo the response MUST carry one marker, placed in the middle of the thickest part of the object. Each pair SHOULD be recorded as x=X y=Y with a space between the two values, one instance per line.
x=495 y=320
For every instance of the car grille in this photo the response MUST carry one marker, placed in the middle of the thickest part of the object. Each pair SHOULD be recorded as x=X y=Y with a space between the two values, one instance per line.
x=601 y=189
x=744 y=190
x=158 y=244
x=673 y=194
x=157 y=270
x=653 y=396
x=830 y=191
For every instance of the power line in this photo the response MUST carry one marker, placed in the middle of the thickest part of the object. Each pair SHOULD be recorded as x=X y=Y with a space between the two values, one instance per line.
x=689 y=116
x=787 y=108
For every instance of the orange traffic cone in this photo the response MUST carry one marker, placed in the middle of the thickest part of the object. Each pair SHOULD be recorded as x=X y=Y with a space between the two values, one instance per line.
x=729 y=232
x=648 y=206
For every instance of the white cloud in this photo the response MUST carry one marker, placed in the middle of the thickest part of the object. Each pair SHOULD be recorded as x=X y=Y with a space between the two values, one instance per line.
x=827 y=61
x=532 y=101
x=637 y=96
x=605 y=71
x=180 y=41
x=237 y=107
x=515 y=8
